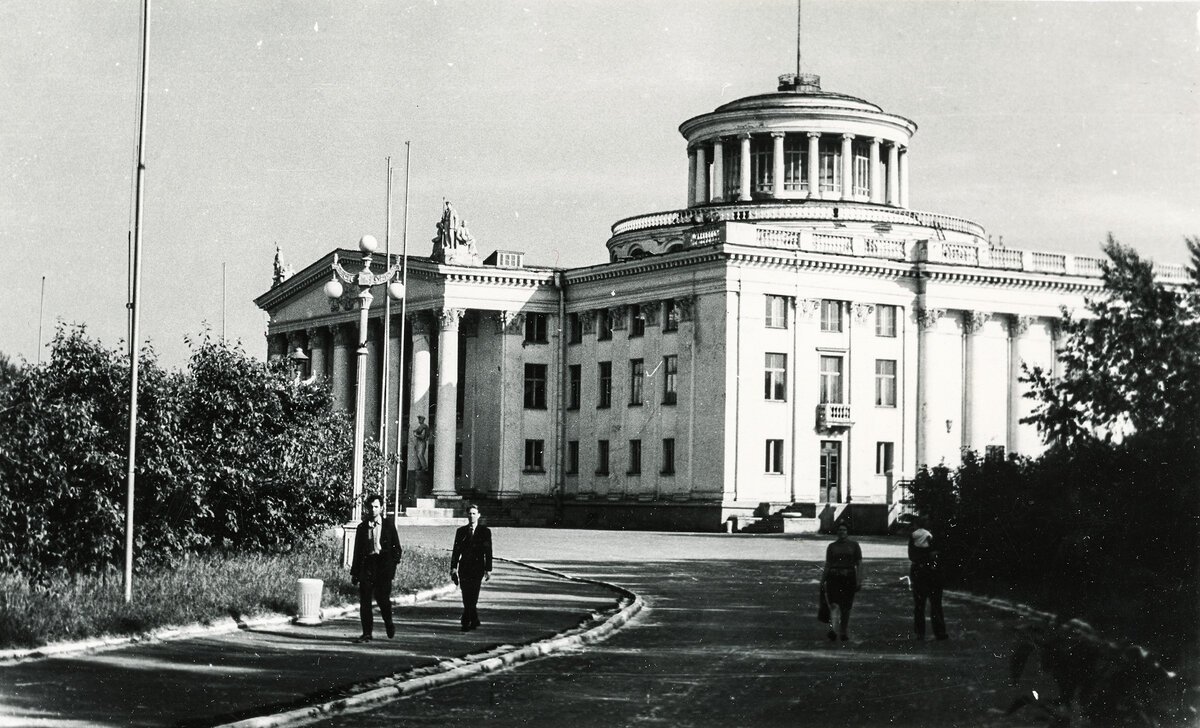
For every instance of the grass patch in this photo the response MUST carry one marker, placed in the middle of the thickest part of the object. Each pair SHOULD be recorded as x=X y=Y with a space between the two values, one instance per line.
x=204 y=590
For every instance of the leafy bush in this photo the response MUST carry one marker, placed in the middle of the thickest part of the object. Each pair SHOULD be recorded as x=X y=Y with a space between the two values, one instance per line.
x=233 y=455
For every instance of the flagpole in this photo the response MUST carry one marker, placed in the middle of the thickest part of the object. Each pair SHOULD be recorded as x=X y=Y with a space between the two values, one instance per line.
x=402 y=460
x=387 y=341
x=134 y=300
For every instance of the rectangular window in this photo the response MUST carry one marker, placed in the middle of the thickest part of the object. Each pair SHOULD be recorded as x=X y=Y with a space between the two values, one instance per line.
x=637 y=374
x=733 y=170
x=885 y=382
x=637 y=323
x=670 y=377
x=604 y=399
x=668 y=456
x=670 y=315
x=831 y=380
x=795 y=162
x=574 y=329
x=535 y=386
x=775 y=377
x=862 y=169
x=572 y=457
x=602 y=457
x=831 y=315
x=535 y=328
x=635 y=457
x=885 y=321
x=762 y=164
x=604 y=325
x=883 y=457
x=574 y=385
x=830 y=160
x=993 y=453
x=533 y=455
x=774 y=459
x=776 y=317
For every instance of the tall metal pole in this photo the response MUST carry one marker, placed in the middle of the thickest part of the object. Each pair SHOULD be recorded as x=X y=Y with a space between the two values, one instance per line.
x=222 y=303
x=135 y=297
x=41 y=305
x=402 y=462
x=798 y=2
x=387 y=341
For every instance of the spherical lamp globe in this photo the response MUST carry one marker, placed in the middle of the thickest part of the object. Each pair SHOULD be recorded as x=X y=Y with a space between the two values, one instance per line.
x=333 y=289
x=368 y=244
x=396 y=290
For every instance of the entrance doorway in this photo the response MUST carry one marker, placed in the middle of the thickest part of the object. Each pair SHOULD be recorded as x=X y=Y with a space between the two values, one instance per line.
x=830 y=487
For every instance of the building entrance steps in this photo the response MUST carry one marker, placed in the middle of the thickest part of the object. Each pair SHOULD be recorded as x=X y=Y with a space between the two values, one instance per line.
x=427 y=513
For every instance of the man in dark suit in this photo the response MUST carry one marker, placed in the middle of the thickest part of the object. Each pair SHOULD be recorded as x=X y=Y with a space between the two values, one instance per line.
x=471 y=564
x=376 y=553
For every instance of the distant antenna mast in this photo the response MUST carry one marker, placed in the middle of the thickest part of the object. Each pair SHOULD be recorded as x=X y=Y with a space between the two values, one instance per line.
x=798 y=2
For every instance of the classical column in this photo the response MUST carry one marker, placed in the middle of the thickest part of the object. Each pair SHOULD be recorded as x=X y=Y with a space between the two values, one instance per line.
x=1021 y=438
x=973 y=364
x=744 y=188
x=691 y=202
x=876 y=177
x=318 y=340
x=343 y=377
x=373 y=389
x=927 y=321
x=418 y=406
x=718 y=171
x=893 y=186
x=777 y=164
x=701 y=176
x=847 y=166
x=904 y=177
x=814 y=165
x=445 y=426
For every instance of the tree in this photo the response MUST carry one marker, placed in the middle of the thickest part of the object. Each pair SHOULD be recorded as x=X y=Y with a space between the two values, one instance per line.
x=1132 y=366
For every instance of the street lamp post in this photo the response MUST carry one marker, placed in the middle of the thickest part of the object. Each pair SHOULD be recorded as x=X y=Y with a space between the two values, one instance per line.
x=365 y=280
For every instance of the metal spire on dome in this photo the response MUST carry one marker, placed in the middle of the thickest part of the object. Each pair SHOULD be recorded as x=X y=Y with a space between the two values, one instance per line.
x=798 y=10
x=799 y=82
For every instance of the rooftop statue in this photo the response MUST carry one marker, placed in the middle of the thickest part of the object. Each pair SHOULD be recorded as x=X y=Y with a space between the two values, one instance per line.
x=282 y=272
x=454 y=244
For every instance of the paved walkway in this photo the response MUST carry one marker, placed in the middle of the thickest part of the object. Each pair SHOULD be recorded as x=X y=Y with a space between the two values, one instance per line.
x=219 y=678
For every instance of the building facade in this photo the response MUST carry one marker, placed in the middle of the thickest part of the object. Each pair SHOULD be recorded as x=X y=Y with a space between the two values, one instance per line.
x=796 y=340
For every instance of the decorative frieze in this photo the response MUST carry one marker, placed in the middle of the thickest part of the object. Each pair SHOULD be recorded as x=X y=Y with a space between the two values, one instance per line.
x=617 y=316
x=686 y=308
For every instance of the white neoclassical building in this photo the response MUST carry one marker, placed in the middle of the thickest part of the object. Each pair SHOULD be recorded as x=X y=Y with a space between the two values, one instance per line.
x=795 y=341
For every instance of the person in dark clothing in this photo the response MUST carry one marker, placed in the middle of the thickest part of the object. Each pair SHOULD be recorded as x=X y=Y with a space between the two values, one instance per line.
x=376 y=553
x=842 y=578
x=925 y=576
x=471 y=564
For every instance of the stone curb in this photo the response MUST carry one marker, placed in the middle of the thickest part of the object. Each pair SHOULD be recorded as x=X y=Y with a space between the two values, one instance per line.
x=595 y=628
x=165 y=634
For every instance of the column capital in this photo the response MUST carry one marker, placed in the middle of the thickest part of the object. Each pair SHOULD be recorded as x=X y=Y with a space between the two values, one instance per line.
x=1018 y=325
x=686 y=307
x=778 y=134
x=419 y=324
x=510 y=322
x=317 y=335
x=863 y=312
x=927 y=318
x=847 y=137
x=448 y=318
x=744 y=136
x=649 y=312
x=973 y=321
x=344 y=335
x=587 y=319
x=718 y=141
x=807 y=307
x=877 y=141
x=617 y=317
x=813 y=134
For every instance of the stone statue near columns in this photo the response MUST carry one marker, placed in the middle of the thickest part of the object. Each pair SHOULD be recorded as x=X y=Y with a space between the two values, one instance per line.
x=454 y=244
x=421 y=444
x=282 y=272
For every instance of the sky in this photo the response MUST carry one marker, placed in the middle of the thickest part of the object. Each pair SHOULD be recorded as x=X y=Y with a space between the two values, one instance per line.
x=544 y=122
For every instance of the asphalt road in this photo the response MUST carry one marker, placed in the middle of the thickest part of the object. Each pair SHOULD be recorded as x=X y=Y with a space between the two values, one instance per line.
x=730 y=638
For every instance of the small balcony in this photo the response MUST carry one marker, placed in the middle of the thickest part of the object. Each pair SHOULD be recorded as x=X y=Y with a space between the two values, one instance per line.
x=830 y=416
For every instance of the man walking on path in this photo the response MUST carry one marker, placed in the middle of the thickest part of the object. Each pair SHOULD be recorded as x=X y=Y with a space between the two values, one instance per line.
x=926 y=578
x=470 y=564
x=376 y=553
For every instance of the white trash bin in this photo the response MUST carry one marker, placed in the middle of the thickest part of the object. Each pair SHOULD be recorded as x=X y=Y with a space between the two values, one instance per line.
x=308 y=596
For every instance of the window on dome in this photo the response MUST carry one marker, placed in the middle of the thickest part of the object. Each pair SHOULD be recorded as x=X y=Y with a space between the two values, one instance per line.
x=831 y=166
x=862 y=170
x=795 y=162
x=762 y=164
x=733 y=170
